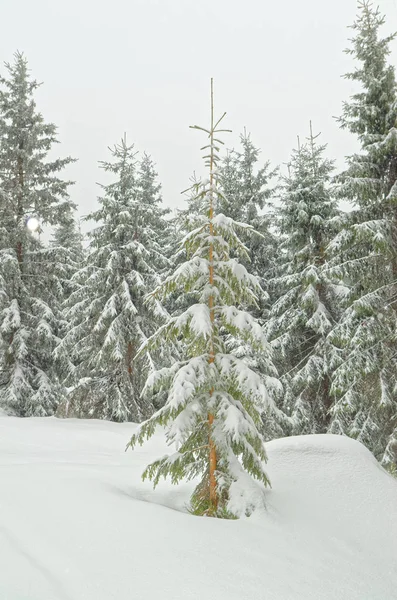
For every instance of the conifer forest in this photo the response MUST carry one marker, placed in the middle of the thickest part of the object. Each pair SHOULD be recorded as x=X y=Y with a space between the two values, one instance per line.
x=258 y=310
x=198 y=390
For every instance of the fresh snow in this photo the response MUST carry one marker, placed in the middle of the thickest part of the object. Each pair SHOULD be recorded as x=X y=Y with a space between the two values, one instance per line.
x=77 y=523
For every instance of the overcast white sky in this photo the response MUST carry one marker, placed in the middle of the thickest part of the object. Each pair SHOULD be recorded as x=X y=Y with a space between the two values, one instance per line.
x=144 y=66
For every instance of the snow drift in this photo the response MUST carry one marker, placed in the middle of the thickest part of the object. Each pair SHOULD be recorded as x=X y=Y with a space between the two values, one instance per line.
x=76 y=522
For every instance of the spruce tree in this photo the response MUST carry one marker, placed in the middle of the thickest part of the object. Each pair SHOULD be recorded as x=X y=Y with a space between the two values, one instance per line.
x=109 y=317
x=365 y=251
x=214 y=399
x=31 y=193
x=306 y=301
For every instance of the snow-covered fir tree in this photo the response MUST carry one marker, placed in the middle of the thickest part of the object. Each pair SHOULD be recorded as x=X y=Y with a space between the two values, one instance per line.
x=365 y=251
x=304 y=311
x=274 y=422
x=109 y=317
x=214 y=399
x=31 y=195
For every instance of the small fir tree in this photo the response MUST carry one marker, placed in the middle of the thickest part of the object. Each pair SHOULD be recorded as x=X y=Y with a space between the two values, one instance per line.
x=214 y=399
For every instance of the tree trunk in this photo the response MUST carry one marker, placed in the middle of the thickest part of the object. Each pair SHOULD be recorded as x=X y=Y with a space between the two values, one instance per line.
x=391 y=182
x=19 y=244
x=130 y=360
x=20 y=210
x=212 y=449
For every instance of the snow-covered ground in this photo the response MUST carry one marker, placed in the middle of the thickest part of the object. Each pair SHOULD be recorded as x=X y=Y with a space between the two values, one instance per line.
x=77 y=523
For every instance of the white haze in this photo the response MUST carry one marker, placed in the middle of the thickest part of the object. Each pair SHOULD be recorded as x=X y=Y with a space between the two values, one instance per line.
x=143 y=67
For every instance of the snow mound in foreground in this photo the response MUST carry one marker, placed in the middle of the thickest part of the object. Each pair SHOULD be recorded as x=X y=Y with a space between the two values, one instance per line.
x=76 y=523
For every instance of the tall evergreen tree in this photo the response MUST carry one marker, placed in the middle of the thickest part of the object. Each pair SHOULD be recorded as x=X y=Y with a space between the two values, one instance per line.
x=110 y=319
x=303 y=314
x=365 y=251
x=214 y=399
x=30 y=192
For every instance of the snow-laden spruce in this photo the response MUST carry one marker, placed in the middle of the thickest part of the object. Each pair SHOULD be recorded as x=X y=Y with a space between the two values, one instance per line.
x=30 y=289
x=212 y=416
x=304 y=310
x=365 y=251
x=109 y=319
